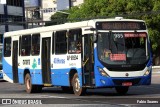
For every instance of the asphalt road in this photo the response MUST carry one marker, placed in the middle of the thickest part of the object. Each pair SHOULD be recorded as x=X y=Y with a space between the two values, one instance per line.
x=136 y=96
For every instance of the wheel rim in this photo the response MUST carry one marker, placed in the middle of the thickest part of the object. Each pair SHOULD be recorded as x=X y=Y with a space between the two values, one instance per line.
x=77 y=84
x=28 y=83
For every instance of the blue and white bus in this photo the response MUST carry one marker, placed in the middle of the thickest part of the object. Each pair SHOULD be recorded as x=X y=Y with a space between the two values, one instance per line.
x=1 y=74
x=111 y=53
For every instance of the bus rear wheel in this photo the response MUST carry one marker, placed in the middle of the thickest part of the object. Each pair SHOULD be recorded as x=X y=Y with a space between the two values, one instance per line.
x=28 y=84
x=76 y=86
x=29 y=87
x=122 y=90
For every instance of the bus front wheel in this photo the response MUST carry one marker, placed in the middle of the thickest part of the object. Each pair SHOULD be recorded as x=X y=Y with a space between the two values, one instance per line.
x=122 y=90
x=76 y=86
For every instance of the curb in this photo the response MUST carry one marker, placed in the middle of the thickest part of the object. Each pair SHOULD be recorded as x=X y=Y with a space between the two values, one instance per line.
x=156 y=67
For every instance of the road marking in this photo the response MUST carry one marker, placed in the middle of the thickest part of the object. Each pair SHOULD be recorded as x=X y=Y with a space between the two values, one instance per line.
x=49 y=96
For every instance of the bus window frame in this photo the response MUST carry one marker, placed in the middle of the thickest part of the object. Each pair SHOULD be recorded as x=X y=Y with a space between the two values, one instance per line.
x=63 y=44
x=53 y=42
x=9 y=54
x=23 y=53
x=78 y=41
x=33 y=51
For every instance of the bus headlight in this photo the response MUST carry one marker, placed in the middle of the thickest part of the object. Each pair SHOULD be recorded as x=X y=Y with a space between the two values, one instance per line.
x=102 y=72
x=148 y=71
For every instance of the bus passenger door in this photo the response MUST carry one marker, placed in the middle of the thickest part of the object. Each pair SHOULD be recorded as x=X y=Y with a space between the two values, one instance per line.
x=88 y=64
x=45 y=56
x=15 y=61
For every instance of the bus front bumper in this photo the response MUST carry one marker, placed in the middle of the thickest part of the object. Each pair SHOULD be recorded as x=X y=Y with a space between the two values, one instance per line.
x=121 y=81
x=1 y=74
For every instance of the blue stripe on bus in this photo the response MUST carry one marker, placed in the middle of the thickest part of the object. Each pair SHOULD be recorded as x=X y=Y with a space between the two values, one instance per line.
x=109 y=81
x=7 y=69
x=59 y=77
x=36 y=76
x=101 y=81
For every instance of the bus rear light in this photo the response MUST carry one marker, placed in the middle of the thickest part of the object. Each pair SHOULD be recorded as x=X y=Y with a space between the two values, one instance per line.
x=102 y=72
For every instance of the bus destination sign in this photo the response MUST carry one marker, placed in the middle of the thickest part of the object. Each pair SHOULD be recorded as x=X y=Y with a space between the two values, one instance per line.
x=124 y=25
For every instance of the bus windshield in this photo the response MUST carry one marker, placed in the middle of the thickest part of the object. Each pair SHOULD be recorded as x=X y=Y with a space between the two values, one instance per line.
x=0 y=56
x=116 y=48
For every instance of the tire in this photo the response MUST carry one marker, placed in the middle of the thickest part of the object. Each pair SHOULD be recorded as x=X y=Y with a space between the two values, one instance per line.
x=78 y=91
x=31 y=88
x=122 y=90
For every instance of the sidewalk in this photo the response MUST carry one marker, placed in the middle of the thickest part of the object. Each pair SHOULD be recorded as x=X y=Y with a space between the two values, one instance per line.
x=156 y=69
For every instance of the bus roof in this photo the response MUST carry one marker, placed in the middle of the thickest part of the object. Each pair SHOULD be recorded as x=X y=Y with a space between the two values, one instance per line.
x=74 y=25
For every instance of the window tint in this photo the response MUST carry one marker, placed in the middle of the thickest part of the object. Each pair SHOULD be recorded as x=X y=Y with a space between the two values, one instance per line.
x=14 y=2
x=7 y=47
x=53 y=43
x=20 y=45
x=1 y=38
x=26 y=45
x=61 y=42
x=35 y=44
x=74 y=41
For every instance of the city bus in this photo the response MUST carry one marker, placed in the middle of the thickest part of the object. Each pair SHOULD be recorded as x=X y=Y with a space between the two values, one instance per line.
x=97 y=53
x=1 y=74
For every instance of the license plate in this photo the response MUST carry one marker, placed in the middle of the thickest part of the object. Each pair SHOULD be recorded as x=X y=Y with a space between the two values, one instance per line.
x=127 y=84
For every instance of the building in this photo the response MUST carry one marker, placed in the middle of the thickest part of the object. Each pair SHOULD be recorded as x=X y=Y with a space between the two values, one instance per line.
x=42 y=10
x=50 y=7
x=32 y=13
x=11 y=13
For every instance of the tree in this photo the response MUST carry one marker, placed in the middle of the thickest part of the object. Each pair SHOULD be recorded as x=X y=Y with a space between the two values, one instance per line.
x=135 y=9
x=58 y=18
x=148 y=10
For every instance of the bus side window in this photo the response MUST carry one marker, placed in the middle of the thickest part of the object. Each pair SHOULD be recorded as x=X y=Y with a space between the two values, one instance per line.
x=74 y=41
x=60 y=42
x=7 y=47
x=23 y=52
x=26 y=45
x=35 y=44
